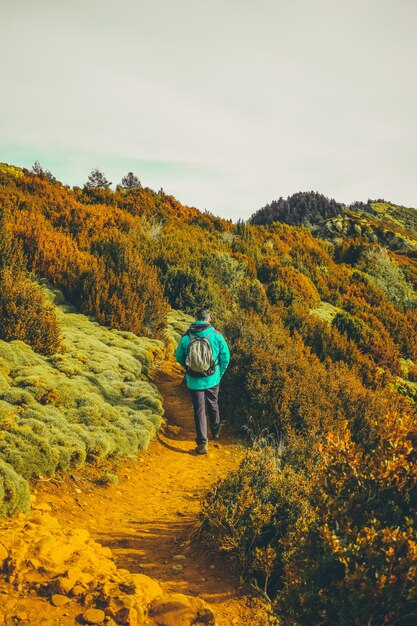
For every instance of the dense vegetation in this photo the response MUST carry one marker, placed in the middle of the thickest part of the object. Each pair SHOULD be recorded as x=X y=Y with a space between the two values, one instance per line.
x=322 y=325
x=301 y=208
x=374 y=221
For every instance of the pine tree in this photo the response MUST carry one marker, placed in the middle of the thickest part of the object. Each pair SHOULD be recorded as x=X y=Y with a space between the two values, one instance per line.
x=43 y=172
x=130 y=181
x=97 y=180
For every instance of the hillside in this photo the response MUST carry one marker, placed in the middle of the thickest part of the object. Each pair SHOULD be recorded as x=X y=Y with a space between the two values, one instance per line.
x=387 y=224
x=391 y=226
x=320 y=317
x=90 y=401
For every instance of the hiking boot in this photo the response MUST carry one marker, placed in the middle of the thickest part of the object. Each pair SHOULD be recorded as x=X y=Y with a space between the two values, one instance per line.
x=202 y=448
x=216 y=435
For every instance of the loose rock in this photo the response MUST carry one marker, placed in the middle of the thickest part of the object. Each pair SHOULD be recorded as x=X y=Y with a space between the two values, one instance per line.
x=64 y=585
x=94 y=616
x=172 y=611
x=177 y=568
x=45 y=558
x=78 y=591
x=180 y=610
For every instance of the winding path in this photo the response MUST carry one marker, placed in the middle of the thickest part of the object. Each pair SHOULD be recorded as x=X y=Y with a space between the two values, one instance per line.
x=149 y=516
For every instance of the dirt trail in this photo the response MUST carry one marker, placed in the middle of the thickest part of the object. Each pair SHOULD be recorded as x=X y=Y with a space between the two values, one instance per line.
x=148 y=517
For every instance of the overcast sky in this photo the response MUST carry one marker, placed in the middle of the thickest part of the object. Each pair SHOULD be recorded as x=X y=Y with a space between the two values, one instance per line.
x=226 y=104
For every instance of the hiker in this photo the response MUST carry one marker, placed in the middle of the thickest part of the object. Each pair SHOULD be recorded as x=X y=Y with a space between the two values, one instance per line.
x=205 y=355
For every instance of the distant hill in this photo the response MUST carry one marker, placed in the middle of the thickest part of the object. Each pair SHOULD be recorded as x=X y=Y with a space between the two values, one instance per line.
x=390 y=225
x=304 y=208
x=403 y=217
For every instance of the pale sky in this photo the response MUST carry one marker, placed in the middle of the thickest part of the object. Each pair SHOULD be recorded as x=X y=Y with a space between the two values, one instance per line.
x=226 y=104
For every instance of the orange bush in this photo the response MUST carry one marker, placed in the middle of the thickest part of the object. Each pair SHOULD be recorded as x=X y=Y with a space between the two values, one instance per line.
x=25 y=313
x=356 y=562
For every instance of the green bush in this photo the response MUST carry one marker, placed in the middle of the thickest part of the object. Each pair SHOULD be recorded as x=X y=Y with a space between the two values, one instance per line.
x=276 y=382
x=291 y=285
x=328 y=343
x=223 y=268
x=390 y=278
x=371 y=337
x=124 y=292
x=278 y=291
x=107 y=479
x=251 y=296
x=250 y=512
x=187 y=290
x=353 y=327
x=26 y=314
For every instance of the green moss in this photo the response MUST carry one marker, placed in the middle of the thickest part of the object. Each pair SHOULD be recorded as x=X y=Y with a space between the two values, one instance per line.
x=14 y=491
x=18 y=397
x=326 y=311
x=4 y=384
x=178 y=322
x=90 y=402
x=5 y=168
x=402 y=216
x=407 y=388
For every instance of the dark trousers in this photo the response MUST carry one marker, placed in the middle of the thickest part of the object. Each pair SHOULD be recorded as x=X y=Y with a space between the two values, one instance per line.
x=201 y=398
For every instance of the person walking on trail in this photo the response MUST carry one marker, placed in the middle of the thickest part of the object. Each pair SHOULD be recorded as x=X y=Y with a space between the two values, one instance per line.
x=204 y=353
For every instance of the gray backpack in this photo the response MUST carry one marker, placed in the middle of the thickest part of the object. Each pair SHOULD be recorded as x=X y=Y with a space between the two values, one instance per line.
x=199 y=361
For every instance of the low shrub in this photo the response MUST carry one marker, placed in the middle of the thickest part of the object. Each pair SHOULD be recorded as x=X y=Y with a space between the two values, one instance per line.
x=223 y=268
x=278 y=291
x=250 y=513
x=371 y=337
x=291 y=285
x=353 y=327
x=107 y=479
x=187 y=290
x=332 y=544
x=355 y=563
x=390 y=278
x=14 y=491
x=276 y=381
x=250 y=296
x=25 y=313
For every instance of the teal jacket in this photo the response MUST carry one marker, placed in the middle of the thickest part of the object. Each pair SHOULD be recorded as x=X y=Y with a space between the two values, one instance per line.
x=220 y=353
